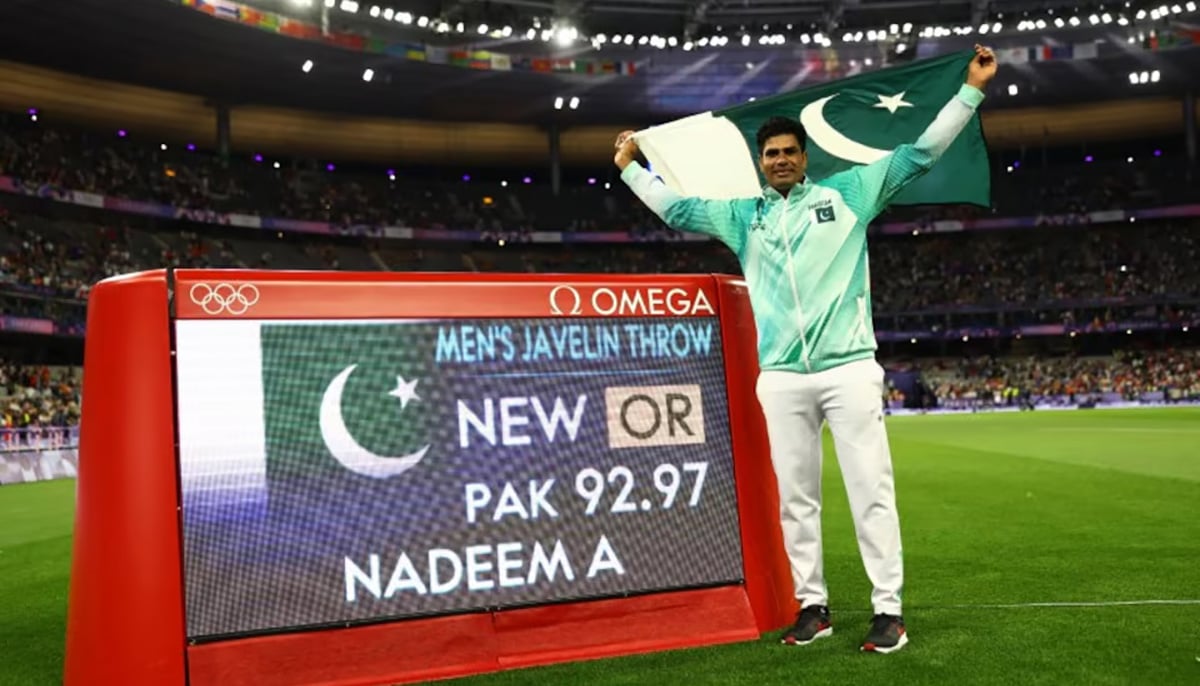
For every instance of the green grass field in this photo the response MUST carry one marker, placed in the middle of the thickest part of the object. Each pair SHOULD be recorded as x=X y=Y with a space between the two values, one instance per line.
x=1000 y=509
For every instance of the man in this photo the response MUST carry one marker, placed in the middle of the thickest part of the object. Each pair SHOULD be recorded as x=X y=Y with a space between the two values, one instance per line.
x=802 y=247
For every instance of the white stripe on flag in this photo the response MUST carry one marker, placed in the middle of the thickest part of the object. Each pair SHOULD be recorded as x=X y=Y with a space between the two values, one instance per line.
x=702 y=156
x=222 y=434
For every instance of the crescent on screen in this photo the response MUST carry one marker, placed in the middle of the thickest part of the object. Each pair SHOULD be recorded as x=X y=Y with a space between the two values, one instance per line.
x=832 y=141
x=345 y=449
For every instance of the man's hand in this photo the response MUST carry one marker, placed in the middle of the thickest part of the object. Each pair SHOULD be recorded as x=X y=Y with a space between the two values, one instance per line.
x=627 y=150
x=982 y=69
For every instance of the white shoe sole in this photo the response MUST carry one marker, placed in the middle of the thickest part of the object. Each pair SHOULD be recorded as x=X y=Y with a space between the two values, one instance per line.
x=823 y=633
x=891 y=649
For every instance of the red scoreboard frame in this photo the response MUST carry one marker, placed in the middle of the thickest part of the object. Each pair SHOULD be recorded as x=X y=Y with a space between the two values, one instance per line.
x=125 y=621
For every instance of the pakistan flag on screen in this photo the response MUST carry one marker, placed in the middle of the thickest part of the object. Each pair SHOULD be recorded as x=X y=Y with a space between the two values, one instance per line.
x=849 y=122
x=346 y=402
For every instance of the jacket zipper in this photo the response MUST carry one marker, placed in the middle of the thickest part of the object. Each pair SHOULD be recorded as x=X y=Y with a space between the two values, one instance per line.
x=787 y=237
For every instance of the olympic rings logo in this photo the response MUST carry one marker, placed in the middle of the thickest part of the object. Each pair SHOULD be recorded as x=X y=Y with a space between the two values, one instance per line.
x=224 y=297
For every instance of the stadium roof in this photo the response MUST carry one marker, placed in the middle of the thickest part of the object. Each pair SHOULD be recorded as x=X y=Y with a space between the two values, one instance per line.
x=163 y=44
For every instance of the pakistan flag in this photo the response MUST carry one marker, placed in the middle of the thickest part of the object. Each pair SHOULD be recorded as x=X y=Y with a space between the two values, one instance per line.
x=350 y=406
x=852 y=121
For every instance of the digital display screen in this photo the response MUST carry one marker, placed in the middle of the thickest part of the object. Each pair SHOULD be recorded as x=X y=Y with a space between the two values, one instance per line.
x=337 y=472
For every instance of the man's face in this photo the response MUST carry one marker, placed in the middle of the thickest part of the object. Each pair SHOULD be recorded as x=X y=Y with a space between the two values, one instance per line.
x=783 y=162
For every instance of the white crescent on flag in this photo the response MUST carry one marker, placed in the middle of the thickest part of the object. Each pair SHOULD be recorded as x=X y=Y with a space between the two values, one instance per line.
x=345 y=449
x=832 y=141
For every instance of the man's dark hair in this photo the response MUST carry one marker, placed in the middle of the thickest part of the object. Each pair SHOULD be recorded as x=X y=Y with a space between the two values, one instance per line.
x=781 y=126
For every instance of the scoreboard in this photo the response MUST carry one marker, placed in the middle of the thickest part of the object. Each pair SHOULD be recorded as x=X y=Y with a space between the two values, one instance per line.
x=303 y=471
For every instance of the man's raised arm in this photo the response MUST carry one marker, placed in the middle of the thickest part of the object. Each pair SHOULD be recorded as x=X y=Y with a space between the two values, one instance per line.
x=869 y=189
x=725 y=220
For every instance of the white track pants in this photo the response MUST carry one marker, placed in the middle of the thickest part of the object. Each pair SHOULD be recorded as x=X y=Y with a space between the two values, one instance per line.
x=849 y=397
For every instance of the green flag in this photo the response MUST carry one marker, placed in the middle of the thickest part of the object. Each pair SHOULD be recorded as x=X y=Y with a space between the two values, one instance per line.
x=852 y=121
x=346 y=401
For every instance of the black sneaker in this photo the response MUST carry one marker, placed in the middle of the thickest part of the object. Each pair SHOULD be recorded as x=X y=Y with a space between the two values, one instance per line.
x=887 y=635
x=811 y=624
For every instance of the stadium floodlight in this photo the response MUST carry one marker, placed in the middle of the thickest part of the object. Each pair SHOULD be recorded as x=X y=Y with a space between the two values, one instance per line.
x=703 y=42
x=558 y=103
x=504 y=184
x=672 y=41
x=746 y=40
x=566 y=35
x=1144 y=77
x=388 y=14
x=983 y=29
x=574 y=103
x=1154 y=76
x=302 y=3
x=307 y=66
x=894 y=29
x=404 y=18
x=848 y=37
x=1191 y=6
x=1133 y=78
x=1162 y=10
x=1073 y=21
x=375 y=11
x=1041 y=23
x=162 y=146
x=1058 y=21
x=687 y=46
x=804 y=38
x=642 y=40
x=350 y=6
x=506 y=31
x=460 y=27
x=531 y=34
x=330 y=3
x=276 y=165
x=1176 y=9
x=1154 y=14
x=422 y=21
x=1093 y=20
x=1141 y=14
x=1106 y=18
x=483 y=29
x=1012 y=89
x=996 y=27
x=1122 y=21
x=907 y=27
x=368 y=74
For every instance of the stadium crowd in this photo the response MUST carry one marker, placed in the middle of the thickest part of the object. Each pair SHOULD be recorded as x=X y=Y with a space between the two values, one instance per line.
x=1170 y=375
x=122 y=166
x=1082 y=277
x=40 y=405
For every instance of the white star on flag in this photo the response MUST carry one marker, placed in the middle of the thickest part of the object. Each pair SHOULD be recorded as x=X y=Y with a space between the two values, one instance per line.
x=405 y=391
x=892 y=102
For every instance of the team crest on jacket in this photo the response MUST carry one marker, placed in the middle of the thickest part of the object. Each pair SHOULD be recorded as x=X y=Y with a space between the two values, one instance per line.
x=824 y=211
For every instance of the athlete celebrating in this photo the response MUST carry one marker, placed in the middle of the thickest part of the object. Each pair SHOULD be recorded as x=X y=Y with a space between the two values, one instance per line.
x=802 y=247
